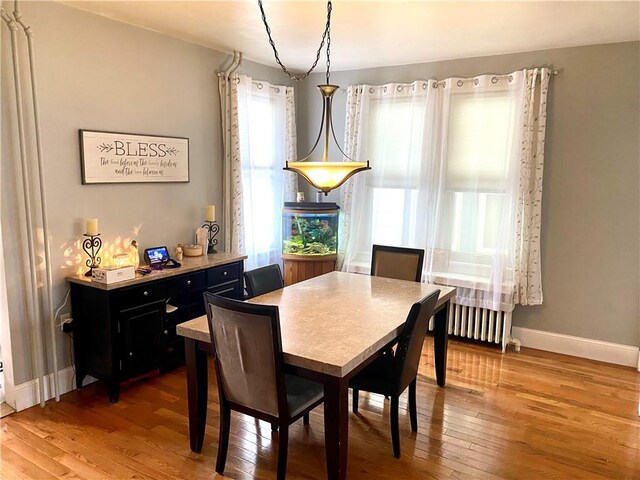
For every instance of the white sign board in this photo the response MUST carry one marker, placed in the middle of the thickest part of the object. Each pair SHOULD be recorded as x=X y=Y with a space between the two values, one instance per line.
x=109 y=157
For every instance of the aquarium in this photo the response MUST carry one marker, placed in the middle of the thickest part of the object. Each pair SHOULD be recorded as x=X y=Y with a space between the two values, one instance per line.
x=310 y=228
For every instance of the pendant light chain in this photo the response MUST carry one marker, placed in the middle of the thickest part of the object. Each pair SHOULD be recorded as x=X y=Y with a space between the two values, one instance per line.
x=328 y=41
x=325 y=36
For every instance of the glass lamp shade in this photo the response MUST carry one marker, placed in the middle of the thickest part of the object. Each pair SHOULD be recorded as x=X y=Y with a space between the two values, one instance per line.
x=326 y=176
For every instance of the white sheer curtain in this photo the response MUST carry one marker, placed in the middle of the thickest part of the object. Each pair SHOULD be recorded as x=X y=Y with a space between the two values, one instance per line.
x=388 y=126
x=456 y=170
x=265 y=138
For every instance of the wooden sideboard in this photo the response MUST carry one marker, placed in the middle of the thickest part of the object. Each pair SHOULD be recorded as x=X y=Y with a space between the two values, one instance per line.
x=126 y=329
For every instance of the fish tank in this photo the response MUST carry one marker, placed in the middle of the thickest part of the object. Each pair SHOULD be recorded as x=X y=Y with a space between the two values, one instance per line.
x=309 y=229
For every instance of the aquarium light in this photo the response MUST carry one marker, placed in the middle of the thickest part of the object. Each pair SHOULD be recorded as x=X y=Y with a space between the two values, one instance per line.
x=324 y=175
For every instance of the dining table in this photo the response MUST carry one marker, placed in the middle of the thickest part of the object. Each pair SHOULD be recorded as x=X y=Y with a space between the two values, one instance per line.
x=332 y=326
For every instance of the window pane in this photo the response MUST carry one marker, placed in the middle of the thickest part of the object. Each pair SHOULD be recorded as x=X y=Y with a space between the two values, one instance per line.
x=387 y=220
x=395 y=142
x=479 y=141
x=476 y=222
x=493 y=211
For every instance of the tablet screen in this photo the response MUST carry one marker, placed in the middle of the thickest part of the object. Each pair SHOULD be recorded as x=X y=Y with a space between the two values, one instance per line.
x=157 y=255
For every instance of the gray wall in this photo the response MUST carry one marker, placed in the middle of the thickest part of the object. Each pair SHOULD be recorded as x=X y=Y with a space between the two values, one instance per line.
x=96 y=73
x=590 y=223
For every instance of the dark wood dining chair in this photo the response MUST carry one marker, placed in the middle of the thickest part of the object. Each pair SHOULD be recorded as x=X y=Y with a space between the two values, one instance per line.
x=263 y=280
x=247 y=352
x=397 y=262
x=392 y=372
x=400 y=263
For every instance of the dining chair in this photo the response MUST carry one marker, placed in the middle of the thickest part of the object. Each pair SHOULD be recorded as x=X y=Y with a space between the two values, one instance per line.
x=247 y=352
x=263 y=280
x=400 y=263
x=397 y=262
x=392 y=372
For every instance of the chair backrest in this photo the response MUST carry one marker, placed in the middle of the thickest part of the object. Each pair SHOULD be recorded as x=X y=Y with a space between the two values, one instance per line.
x=263 y=280
x=397 y=262
x=407 y=355
x=248 y=353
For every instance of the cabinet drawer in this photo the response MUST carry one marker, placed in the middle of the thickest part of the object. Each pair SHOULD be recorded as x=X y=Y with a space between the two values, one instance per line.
x=186 y=283
x=229 y=290
x=222 y=274
x=136 y=296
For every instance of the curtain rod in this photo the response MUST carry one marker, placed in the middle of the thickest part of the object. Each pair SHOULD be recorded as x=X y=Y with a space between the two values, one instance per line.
x=498 y=75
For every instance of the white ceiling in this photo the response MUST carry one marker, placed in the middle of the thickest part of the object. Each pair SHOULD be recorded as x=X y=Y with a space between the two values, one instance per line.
x=378 y=33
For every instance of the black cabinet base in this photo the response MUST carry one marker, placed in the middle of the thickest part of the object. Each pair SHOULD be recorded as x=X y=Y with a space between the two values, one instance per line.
x=124 y=333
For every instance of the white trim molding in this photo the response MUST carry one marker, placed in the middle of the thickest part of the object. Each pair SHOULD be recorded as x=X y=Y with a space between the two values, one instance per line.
x=27 y=394
x=627 y=355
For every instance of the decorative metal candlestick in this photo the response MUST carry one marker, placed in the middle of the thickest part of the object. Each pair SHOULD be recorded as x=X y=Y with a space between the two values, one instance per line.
x=212 y=230
x=91 y=245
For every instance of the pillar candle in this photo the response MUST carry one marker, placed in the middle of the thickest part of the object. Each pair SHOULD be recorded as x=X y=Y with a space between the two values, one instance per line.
x=92 y=226
x=211 y=213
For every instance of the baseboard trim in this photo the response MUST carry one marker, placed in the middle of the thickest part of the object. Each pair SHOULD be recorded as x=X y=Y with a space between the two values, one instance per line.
x=27 y=394
x=608 y=352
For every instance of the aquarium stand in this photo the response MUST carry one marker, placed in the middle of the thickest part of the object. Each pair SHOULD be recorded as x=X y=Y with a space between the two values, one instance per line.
x=303 y=267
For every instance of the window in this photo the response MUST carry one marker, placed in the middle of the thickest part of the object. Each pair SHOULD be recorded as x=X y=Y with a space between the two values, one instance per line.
x=442 y=179
x=457 y=171
x=263 y=113
x=478 y=162
x=394 y=140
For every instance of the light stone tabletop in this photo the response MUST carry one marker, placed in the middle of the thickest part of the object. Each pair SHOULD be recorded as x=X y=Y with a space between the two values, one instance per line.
x=333 y=322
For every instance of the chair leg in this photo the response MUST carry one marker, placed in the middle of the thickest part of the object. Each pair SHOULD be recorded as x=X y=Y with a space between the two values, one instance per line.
x=413 y=411
x=395 y=430
x=355 y=400
x=305 y=419
x=223 y=438
x=283 y=446
x=274 y=427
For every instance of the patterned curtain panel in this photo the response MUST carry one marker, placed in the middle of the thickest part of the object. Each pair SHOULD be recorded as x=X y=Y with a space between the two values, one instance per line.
x=529 y=213
x=229 y=118
x=456 y=171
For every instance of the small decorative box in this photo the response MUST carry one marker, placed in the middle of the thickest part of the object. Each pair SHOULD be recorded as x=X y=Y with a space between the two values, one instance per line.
x=113 y=274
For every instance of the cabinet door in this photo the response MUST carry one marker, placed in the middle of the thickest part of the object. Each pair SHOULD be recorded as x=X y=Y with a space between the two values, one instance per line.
x=142 y=335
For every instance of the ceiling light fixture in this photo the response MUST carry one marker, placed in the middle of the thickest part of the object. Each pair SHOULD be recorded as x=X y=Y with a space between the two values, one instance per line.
x=324 y=175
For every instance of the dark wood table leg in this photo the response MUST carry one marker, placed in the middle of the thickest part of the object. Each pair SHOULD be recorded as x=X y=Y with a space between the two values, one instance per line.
x=197 y=390
x=336 y=426
x=440 y=341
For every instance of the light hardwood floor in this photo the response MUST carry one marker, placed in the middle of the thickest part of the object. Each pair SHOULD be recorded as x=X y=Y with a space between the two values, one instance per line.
x=528 y=415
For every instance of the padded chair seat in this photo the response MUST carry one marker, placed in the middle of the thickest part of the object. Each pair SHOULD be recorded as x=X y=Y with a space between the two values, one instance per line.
x=301 y=393
x=377 y=377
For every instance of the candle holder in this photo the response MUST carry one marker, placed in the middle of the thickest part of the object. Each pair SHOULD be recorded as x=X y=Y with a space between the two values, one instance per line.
x=91 y=245
x=212 y=230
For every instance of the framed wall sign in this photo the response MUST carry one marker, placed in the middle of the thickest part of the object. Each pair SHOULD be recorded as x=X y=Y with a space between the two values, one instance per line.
x=109 y=157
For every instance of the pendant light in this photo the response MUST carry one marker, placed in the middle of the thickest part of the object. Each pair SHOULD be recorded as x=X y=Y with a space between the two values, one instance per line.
x=325 y=175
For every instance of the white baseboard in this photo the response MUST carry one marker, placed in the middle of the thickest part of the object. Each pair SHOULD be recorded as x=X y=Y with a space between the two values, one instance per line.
x=27 y=394
x=616 y=353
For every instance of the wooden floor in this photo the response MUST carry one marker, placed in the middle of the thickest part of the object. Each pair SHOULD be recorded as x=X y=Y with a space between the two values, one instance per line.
x=530 y=415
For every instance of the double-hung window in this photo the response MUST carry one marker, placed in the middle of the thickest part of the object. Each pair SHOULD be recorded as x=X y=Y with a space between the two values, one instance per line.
x=442 y=179
x=457 y=171
x=266 y=140
x=391 y=211
x=479 y=195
